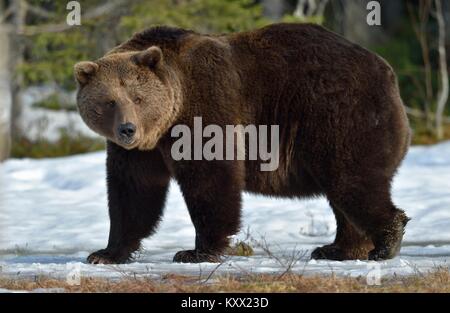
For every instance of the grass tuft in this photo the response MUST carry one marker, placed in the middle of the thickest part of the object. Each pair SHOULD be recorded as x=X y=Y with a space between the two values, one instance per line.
x=64 y=146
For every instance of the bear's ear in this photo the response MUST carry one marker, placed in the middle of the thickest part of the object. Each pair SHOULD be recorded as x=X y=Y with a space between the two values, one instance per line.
x=84 y=71
x=152 y=57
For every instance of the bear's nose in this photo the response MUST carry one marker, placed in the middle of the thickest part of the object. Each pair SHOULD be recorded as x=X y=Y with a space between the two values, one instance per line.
x=127 y=131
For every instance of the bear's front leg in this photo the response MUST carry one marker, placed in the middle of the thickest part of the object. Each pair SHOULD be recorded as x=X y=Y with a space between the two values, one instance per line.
x=137 y=187
x=212 y=191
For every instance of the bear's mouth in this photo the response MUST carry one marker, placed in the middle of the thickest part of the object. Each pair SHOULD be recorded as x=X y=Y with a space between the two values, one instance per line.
x=127 y=143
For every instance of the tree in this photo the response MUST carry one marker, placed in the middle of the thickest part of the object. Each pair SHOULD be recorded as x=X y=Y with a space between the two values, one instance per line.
x=18 y=15
x=420 y=26
x=205 y=16
x=53 y=46
x=309 y=8
x=273 y=9
x=5 y=87
x=444 y=88
x=5 y=99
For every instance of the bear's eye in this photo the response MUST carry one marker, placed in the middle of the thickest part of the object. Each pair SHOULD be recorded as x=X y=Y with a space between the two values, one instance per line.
x=138 y=100
x=111 y=104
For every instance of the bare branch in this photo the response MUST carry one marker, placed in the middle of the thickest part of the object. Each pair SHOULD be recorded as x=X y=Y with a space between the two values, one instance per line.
x=6 y=98
x=222 y=261
x=413 y=18
x=48 y=28
x=7 y=14
x=39 y=11
x=97 y=12
x=420 y=114
x=420 y=23
x=104 y=9
x=308 y=8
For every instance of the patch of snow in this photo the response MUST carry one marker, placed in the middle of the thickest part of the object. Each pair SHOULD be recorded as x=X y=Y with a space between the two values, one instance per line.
x=3 y=290
x=53 y=213
x=39 y=123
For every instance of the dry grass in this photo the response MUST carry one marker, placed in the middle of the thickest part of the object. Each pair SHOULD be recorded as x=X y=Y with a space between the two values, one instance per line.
x=436 y=281
x=423 y=136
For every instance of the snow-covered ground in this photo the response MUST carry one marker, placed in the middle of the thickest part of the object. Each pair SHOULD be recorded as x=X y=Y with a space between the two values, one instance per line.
x=39 y=123
x=53 y=213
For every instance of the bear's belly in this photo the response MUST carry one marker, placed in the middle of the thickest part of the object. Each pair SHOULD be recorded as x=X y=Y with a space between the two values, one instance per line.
x=281 y=182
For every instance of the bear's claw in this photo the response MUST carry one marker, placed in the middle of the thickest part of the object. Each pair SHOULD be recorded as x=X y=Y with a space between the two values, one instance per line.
x=381 y=254
x=105 y=256
x=328 y=252
x=195 y=256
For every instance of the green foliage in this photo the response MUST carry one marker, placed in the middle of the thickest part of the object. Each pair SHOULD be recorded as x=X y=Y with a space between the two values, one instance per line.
x=316 y=19
x=50 y=56
x=53 y=56
x=404 y=54
x=201 y=15
x=422 y=135
x=67 y=144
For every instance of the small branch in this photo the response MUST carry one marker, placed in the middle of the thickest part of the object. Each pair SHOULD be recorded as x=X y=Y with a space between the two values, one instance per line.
x=97 y=12
x=420 y=114
x=308 y=8
x=48 y=28
x=419 y=24
x=215 y=269
x=7 y=14
x=39 y=11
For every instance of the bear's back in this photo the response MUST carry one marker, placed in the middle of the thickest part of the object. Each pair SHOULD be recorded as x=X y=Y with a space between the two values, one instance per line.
x=165 y=37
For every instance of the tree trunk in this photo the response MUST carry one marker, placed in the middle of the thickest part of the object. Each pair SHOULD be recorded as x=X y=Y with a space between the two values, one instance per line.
x=349 y=18
x=309 y=8
x=18 y=21
x=444 y=89
x=419 y=20
x=355 y=24
x=5 y=92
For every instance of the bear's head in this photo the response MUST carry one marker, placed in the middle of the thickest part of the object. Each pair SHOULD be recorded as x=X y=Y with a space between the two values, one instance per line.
x=131 y=98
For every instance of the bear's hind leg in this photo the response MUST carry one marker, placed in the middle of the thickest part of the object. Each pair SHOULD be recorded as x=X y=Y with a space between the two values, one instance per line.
x=349 y=243
x=370 y=210
x=388 y=240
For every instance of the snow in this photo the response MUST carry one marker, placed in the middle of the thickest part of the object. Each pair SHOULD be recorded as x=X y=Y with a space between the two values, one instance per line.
x=53 y=213
x=39 y=123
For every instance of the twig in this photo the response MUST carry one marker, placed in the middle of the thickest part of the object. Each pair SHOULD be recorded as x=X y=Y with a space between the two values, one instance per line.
x=7 y=13
x=97 y=12
x=289 y=264
x=215 y=269
x=39 y=11
x=420 y=114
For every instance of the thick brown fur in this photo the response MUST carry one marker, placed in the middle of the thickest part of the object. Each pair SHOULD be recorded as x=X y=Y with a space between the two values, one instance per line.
x=343 y=133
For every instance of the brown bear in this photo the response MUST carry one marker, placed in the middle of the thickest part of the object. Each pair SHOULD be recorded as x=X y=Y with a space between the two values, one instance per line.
x=343 y=132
